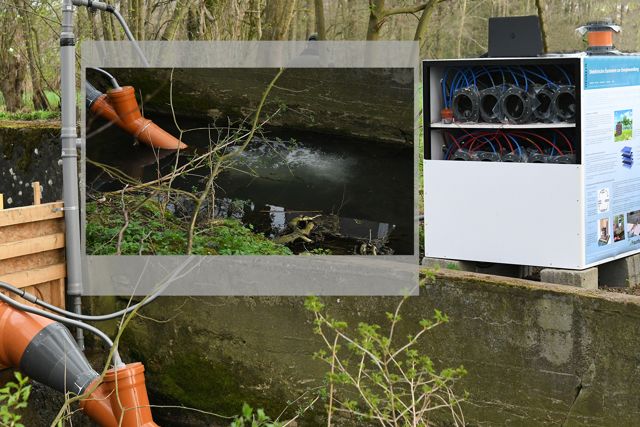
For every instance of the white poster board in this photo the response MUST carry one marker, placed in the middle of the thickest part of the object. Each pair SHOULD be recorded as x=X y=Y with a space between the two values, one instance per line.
x=611 y=140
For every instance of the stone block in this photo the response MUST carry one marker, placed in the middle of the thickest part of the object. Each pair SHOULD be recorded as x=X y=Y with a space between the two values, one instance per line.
x=624 y=272
x=587 y=279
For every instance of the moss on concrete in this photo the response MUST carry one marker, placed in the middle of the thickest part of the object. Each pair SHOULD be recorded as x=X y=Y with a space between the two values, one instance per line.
x=537 y=354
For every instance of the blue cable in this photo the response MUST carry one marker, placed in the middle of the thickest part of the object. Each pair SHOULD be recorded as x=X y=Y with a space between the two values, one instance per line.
x=492 y=147
x=526 y=80
x=545 y=76
x=513 y=138
x=546 y=79
x=448 y=152
x=515 y=81
x=489 y=74
x=444 y=87
x=457 y=80
x=566 y=76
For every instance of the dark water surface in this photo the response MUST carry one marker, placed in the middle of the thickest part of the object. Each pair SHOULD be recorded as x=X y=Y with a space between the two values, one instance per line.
x=365 y=188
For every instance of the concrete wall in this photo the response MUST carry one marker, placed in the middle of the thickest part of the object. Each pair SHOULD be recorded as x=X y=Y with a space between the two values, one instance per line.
x=372 y=104
x=536 y=354
x=29 y=151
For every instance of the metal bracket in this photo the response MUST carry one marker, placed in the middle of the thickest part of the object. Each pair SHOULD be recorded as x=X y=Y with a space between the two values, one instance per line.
x=62 y=209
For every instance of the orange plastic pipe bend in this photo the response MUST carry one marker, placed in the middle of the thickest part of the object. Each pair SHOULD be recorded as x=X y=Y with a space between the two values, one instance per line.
x=121 y=400
x=120 y=107
x=128 y=407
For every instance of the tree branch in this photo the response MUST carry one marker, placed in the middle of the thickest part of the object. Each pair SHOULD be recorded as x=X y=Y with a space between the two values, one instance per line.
x=403 y=9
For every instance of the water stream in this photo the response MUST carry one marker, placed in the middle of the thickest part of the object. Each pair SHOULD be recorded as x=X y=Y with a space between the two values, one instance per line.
x=355 y=191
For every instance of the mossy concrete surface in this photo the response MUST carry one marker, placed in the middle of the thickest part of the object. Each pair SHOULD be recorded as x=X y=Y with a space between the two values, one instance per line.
x=537 y=354
x=29 y=151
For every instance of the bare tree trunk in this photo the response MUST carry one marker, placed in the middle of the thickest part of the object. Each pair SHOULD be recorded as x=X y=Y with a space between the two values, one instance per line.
x=308 y=29
x=320 y=28
x=423 y=24
x=179 y=13
x=378 y=14
x=12 y=82
x=107 y=26
x=543 y=29
x=38 y=96
x=461 y=29
x=376 y=9
x=278 y=15
x=95 y=30
x=192 y=23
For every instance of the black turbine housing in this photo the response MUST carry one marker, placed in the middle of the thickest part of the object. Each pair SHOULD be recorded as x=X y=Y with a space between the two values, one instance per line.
x=515 y=104
x=486 y=156
x=463 y=154
x=490 y=111
x=544 y=110
x=514 y=157
x=466 y=105
x=564 y=104
x=565 y=159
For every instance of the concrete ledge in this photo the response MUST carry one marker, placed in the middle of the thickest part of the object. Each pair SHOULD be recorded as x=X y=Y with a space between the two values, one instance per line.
x=507 y=270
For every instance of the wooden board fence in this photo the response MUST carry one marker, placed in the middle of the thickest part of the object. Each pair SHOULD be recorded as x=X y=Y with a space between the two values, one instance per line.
x=32 y=249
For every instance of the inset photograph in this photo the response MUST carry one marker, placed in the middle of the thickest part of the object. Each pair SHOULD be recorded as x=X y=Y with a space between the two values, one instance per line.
x=250 y=161
x=623 y=125
x=603 y=232
x=633 y=224
x=618 y=228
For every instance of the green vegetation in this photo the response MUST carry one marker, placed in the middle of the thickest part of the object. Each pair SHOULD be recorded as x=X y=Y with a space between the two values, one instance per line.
x=30 y=115
x=378 y=375
x=14 y=396
x=53 y=99
x=151 y=229
x=626 y=135
x=249 y=418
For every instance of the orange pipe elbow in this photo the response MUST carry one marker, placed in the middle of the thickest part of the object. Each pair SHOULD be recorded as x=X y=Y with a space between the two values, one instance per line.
x=97 y=405
x=120 y=107
x=128 y=407
x=121 y=400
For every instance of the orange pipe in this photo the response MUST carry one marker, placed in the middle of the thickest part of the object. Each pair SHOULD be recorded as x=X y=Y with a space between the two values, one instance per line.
x=120 y=107
x=600 y=38
x=130 y=404
x=126 y=407
x=17 y=329
x=120 y=401
x=98 y=405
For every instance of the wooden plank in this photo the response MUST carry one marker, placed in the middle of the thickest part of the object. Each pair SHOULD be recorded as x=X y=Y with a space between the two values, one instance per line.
x=30 y=230
x=37 y=193
x=31 y=246
x=21 y=279
x=31 y=261
x=1 y=201
x=30 y=214
x=51 y=292
x=60 y=296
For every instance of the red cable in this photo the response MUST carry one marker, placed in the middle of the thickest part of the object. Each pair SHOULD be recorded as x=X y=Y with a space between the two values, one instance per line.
x=565 y=138
x=542 y=138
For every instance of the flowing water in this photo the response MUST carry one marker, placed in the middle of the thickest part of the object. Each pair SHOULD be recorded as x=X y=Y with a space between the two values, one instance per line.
x=355 y=191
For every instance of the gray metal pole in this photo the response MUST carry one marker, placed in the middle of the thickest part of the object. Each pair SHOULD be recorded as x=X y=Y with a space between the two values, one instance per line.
x=70 y=161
